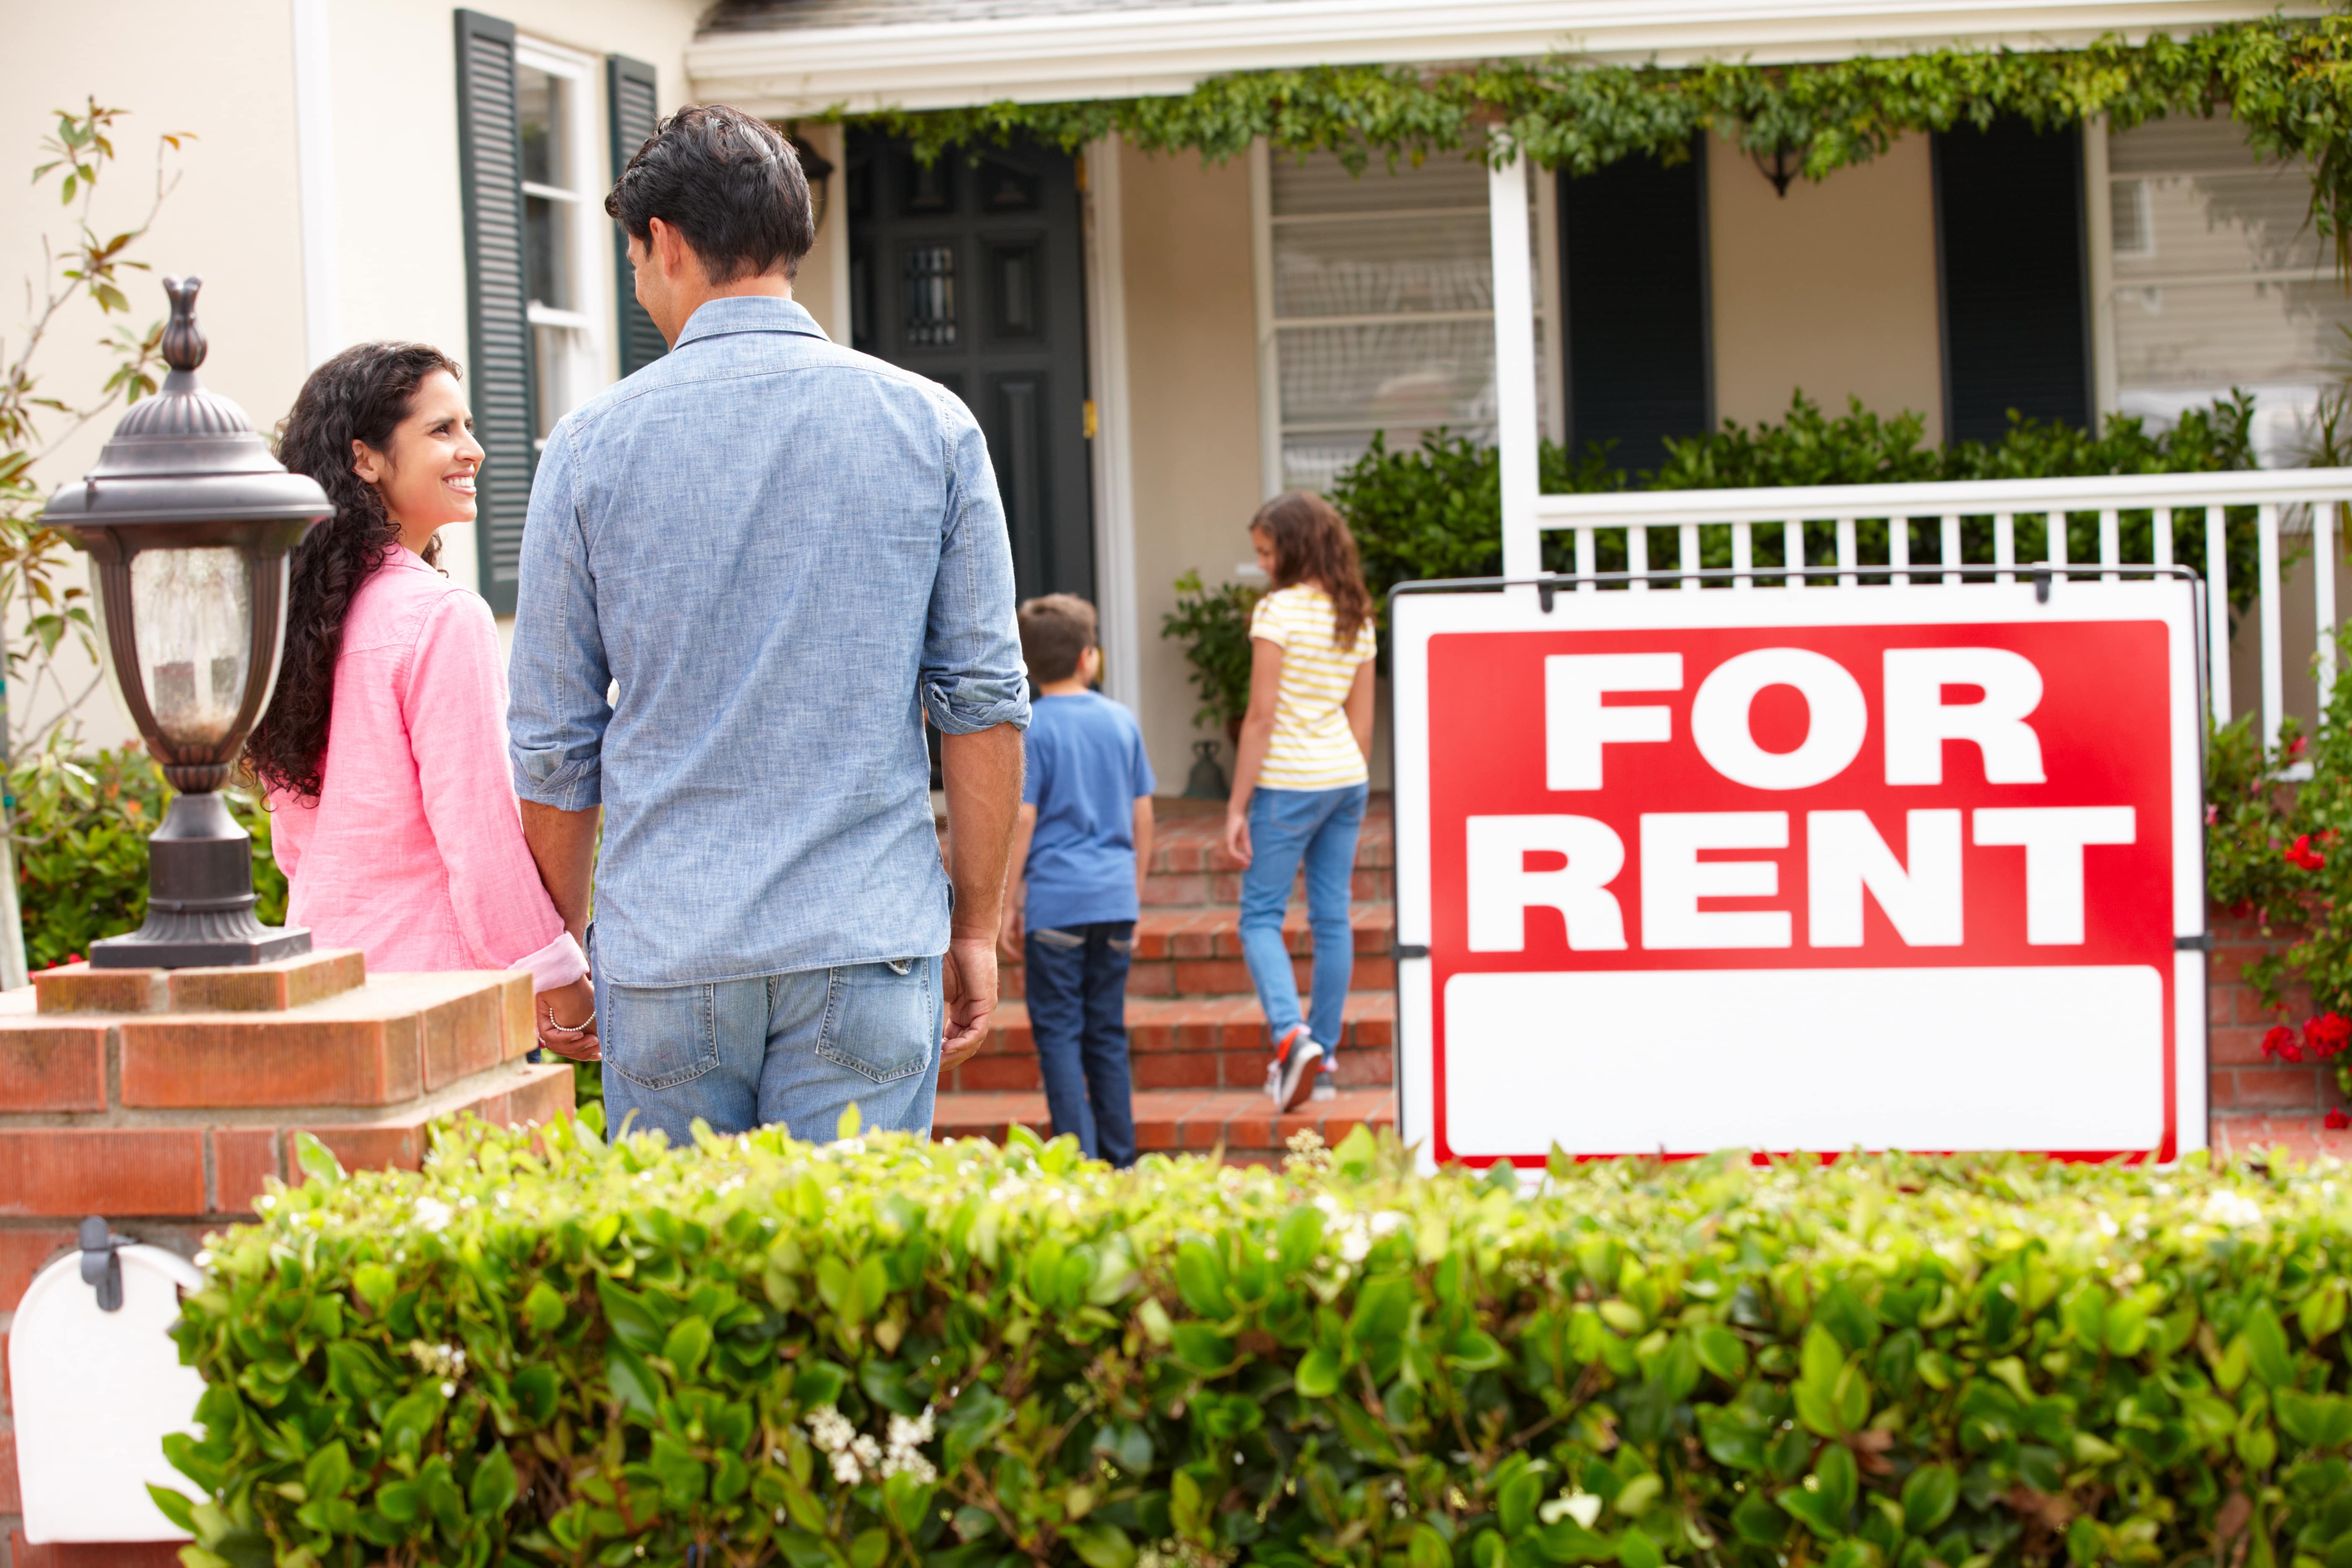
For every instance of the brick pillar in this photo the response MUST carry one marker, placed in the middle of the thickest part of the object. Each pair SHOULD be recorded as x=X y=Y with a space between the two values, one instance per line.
x=163 y=1100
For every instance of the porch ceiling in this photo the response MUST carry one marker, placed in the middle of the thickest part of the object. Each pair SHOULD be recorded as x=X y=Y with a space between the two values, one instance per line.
x=801 y=57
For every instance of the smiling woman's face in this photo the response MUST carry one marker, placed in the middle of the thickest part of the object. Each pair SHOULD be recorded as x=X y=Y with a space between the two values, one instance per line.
x=426 y=476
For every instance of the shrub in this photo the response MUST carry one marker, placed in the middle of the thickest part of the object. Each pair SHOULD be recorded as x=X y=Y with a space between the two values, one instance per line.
x=895 y=1352
x=1214 y=625
x=1437 y=512
x=80 y=833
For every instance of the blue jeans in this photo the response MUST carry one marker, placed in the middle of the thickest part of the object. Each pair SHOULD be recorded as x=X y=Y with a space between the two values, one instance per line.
x=1077 y=982
x=797 y=1049
x=1287 y=826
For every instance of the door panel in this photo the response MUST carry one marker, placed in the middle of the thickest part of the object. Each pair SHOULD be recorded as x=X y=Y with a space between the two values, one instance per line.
x=970 y=272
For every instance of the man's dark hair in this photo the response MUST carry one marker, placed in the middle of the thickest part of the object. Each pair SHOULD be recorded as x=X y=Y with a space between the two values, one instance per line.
x=729 y=183
x=1055 y=630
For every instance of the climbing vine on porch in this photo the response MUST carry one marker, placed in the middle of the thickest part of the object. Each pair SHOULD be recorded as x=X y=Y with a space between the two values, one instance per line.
x=2287 y=81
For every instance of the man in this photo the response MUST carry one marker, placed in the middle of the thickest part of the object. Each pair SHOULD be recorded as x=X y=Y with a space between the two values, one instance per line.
x=780 y=555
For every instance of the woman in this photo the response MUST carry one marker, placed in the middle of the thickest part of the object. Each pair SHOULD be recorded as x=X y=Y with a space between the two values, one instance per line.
x=1300 y=779
x=383 y=752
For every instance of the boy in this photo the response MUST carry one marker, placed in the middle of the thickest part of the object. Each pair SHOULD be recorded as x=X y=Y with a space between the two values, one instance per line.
x=1079 y=854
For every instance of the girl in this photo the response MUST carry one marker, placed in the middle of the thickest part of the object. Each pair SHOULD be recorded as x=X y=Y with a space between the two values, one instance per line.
x=1300 y=779
x=384 y=750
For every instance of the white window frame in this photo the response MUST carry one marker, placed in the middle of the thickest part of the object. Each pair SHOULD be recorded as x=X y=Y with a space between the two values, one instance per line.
x=584 y=144
x=1544 y=211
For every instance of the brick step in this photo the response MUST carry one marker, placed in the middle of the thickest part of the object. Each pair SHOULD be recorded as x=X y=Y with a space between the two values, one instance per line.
x=2305 y=1137
x=1198 y=952
x=1188 y=1043
x=1169 y=1120
x=1189 y=865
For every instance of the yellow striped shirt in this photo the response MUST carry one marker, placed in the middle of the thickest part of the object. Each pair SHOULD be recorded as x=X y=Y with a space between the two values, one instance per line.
x=1312 y=747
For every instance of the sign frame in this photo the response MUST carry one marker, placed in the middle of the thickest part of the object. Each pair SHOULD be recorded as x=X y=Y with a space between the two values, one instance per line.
x=2031 y=594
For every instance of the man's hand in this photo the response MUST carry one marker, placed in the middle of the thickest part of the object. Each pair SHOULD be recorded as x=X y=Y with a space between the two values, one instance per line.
x=981 y=772
x=1008 y=940
x=968 y=976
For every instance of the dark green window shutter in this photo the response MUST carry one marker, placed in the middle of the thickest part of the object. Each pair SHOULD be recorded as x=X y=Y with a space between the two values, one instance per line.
x=490 y=160
x=629 y=96
x=2010 y=254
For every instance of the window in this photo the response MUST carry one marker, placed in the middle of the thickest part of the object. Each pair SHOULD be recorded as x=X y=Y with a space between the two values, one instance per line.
x=562 y=232
x=2008 y=232
x=2227 y=284
x=1376 y=309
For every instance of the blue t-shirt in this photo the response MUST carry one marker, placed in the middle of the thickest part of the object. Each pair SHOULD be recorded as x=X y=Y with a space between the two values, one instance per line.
x=1087 y=768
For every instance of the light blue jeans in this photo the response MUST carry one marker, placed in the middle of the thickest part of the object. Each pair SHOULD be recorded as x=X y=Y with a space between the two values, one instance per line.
x=797 y=1049
x=1287 y=826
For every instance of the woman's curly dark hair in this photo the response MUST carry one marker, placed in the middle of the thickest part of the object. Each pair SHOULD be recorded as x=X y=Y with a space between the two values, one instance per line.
x=361 y=394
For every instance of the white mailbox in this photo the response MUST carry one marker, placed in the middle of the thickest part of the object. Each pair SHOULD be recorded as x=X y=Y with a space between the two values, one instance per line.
x=96 y=1392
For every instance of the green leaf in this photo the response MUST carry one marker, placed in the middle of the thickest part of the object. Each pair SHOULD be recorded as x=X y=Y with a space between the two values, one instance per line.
x=2266 y=1347
x=1201 y=1280
x=1427 y=1549
x=1636 y=1549
x=1100 y=1546
x=1318 y=1374
x=492 y=1490
x=869 y=1547
x=175 y=1507
x=686 y=1344
x=1929 y=1495
x=318 y=1162
x=375 y=1284
x=1203 y=1348
x=542 y=1309
x=1722 y=1352
x=820 y=1383
x=327 y=1473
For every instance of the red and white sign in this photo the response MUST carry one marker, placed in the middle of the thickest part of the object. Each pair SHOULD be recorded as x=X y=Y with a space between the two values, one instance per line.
x=1818 y=870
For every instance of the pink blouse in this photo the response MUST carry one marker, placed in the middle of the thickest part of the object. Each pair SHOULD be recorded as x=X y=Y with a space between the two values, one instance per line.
x=414 y=852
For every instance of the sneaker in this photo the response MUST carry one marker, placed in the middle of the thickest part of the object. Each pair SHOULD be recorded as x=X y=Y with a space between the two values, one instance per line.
x=1281 y=1055
x=1296 y=1058
x=1327 y=1084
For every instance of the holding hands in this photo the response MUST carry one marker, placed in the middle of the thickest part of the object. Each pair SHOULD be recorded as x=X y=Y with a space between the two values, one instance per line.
x=566 y=1020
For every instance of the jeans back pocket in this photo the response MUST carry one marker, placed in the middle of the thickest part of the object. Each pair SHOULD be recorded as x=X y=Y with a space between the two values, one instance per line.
x=881 y=1020
x=658 y=1036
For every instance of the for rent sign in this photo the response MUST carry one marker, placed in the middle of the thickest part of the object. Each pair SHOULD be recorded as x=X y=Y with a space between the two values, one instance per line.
x=1916 y=867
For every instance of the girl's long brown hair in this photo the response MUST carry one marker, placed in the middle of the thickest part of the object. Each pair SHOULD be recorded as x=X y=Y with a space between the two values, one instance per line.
x=361 y=394
x=1312 y=544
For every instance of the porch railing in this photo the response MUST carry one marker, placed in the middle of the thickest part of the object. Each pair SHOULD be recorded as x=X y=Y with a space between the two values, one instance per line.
x=2190 y=519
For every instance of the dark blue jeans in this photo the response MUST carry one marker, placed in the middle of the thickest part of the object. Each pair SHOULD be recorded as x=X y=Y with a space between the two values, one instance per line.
x=1077 y=1011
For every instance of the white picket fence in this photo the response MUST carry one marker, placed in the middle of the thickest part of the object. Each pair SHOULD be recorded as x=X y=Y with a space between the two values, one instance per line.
x=2189 y=507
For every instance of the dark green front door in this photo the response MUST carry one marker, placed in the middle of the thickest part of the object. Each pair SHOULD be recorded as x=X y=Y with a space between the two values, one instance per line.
x=971 y=273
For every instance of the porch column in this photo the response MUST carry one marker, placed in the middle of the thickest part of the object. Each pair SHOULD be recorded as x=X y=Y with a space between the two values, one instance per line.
x=1515 y=364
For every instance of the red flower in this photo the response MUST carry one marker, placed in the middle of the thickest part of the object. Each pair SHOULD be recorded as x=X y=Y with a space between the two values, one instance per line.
x=2327 y=1034
x=2295 y=749
x=2301 y=853
x=2280 y=1043
x=2336 y=1121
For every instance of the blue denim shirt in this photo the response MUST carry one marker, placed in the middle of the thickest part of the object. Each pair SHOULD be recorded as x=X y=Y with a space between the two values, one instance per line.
x=784 y=554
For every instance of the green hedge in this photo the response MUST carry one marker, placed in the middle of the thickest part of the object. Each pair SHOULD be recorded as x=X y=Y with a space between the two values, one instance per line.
x=80 y=836
x=889 y=1350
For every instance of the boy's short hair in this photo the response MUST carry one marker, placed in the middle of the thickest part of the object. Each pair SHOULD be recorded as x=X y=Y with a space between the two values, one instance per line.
x=1056 y=629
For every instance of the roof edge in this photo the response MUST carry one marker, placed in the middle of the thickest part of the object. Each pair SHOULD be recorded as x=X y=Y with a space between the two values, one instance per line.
x=1159 y=51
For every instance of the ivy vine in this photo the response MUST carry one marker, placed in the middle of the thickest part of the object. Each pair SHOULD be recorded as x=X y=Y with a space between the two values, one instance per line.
x=2287 y=81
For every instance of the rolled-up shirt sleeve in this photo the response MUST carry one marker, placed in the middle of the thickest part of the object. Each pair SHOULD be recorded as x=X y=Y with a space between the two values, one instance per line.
x=972 y=678
x=557 y=713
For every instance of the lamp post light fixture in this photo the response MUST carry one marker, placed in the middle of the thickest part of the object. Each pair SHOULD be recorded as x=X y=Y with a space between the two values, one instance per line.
x=187 y=520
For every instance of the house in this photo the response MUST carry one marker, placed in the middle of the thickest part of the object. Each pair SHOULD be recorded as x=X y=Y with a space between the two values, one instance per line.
x=1156 y=340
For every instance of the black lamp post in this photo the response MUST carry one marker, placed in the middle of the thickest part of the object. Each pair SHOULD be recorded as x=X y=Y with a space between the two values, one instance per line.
x=187 y=520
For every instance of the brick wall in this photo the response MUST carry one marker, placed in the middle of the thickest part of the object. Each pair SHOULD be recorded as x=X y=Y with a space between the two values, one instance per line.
x=164 y=1100
x=2259 y=1101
